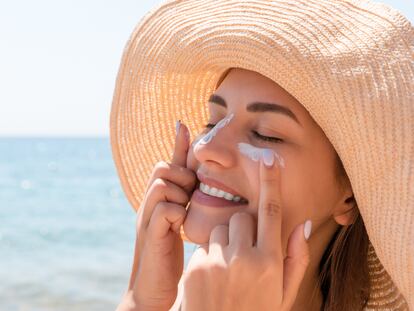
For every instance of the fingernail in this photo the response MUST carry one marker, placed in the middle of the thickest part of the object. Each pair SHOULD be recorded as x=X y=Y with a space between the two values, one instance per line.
x=177 y=127
x=268 y=157
x=307 y=229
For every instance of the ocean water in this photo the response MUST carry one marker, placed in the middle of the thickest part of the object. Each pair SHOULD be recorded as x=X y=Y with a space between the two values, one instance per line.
x=67 y=231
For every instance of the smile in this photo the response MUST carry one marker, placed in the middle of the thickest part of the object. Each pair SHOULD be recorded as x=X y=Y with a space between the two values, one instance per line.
x=221 y=193
x=218 y=189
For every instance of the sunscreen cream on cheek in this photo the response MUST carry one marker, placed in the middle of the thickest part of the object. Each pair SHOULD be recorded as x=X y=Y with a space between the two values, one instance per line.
x=255 y=153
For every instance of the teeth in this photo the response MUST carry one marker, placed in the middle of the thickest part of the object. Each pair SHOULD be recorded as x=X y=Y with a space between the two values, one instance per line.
x=228 y=196
x=219 y=193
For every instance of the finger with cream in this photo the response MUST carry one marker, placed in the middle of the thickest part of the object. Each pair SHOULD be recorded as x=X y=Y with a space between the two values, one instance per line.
x=202 y=140
x=255 y=153
x=196 y=140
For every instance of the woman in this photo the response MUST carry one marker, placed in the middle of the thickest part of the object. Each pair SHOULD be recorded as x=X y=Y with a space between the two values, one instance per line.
x=313 y=182
x=330 y=66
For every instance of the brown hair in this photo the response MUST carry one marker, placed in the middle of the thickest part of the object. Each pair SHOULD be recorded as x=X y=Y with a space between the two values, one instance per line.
x=343 y=269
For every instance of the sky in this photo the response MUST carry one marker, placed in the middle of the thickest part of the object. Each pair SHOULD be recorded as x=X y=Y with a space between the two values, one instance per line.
x=59 y=61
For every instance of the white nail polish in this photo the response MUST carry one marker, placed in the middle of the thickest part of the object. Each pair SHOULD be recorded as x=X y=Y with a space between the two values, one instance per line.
x=268 y=157
x=307 y=229
x=255 y=153
x=177 y=127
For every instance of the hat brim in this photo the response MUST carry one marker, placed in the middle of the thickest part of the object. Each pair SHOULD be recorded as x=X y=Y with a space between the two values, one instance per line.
x=178 y=51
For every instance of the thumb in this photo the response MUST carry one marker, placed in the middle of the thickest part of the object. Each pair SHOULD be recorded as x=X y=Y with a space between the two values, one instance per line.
x=296 y=262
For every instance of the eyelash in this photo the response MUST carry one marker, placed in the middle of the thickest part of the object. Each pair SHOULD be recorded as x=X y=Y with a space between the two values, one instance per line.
x=256 y=134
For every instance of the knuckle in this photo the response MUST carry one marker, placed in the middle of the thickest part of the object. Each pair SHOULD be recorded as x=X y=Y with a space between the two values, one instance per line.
x=196 y=273
x=219 y=229
x=238 y=262
x=161 y=166
x=159 y=184
x=270 y=179
x=188 y=176
x=269 y=266
x=272 y=208
x=216 y=268
x=178 y=167
x=160 y=170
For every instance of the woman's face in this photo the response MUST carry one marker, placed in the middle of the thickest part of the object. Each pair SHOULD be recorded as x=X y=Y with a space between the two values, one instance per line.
x=309 y=188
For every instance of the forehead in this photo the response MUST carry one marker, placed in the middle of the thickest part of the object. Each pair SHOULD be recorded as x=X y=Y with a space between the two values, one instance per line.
x=242 y=86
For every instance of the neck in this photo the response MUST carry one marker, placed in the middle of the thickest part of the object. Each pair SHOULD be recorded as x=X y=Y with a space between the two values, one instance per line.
x=309 y=296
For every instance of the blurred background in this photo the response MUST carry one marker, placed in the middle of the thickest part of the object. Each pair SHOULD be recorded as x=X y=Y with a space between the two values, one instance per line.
x=67 y=231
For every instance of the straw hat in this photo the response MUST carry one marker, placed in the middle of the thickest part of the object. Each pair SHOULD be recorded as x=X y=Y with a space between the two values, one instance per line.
x=348 y=62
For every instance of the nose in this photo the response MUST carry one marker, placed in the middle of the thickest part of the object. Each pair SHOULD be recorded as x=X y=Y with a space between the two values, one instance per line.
x=216 y=146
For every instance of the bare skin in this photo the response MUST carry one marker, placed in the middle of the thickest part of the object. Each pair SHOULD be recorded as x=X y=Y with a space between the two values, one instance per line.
x=306 y=186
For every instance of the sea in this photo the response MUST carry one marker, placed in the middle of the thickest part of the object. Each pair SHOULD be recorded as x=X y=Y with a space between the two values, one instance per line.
x=67 y=231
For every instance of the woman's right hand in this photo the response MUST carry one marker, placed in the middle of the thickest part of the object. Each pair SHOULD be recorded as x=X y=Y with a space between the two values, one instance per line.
x=159 y=251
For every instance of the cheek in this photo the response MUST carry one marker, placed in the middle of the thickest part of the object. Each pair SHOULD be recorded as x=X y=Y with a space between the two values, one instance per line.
x=308 y=192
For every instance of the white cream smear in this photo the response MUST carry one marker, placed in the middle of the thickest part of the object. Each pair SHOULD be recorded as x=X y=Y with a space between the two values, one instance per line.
x=202 y=140
x=255 y=153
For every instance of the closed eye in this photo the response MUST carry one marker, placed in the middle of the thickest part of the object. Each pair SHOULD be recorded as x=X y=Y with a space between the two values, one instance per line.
x=209 y=125
x=267 y=138
x=255 y=133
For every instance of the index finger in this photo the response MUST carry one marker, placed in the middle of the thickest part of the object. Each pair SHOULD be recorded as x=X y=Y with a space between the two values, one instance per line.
x=269 y=227
x=181 y=145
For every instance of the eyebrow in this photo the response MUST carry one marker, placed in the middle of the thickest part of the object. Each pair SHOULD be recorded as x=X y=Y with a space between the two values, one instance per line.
x=258 y=107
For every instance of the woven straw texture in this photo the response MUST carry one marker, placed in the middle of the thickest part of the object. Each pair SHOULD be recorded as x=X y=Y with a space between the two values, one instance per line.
x=348 y=62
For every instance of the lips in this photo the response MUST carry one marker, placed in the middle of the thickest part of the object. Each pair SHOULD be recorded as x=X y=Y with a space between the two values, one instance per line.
x=216 y=184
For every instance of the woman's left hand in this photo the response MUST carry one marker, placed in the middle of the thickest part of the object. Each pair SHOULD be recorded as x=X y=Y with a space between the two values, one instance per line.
x=232 y=272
